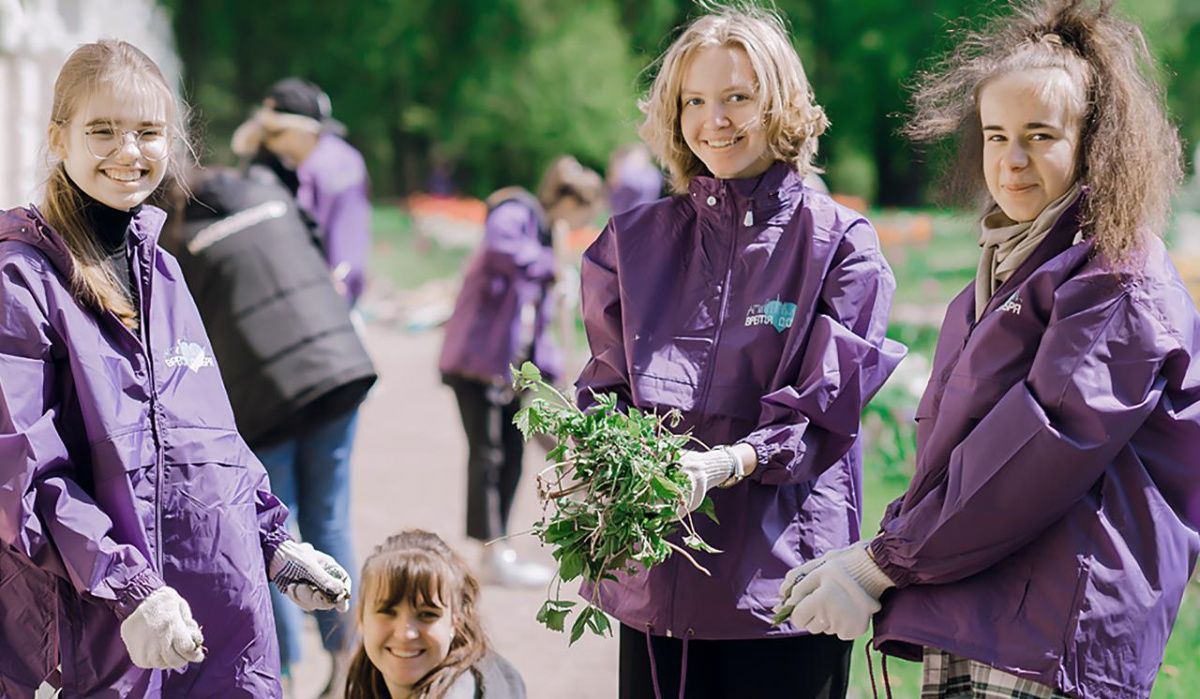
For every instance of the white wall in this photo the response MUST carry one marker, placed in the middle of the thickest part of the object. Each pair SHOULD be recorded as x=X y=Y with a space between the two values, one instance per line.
x=36 y=36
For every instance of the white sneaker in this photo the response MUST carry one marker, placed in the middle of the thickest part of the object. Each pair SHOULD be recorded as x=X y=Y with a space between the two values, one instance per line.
x=501 y=567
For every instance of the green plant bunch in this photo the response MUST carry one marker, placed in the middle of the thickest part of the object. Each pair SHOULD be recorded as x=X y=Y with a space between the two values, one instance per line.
x=611 y=494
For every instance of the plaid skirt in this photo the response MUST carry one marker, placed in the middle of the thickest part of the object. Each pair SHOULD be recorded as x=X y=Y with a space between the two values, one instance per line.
x=949 y=676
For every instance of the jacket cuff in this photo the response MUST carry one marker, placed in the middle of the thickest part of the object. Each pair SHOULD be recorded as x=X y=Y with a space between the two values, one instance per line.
x=271 y=542
x=882 y=557
x=136 y=591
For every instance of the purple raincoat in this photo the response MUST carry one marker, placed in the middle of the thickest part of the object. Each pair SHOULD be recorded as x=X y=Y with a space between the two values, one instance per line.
x=510 y=272
x=758 y=308
x=1050 y=528
x=121 y=469
x=333 y=190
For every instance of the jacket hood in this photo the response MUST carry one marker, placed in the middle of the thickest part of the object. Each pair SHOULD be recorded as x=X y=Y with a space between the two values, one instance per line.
x=28 y=225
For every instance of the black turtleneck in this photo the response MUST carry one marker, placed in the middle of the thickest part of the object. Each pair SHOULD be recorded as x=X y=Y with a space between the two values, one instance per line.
x=111 y=228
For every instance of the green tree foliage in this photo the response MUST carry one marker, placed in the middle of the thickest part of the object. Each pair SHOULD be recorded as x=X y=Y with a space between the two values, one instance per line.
x=499 y=87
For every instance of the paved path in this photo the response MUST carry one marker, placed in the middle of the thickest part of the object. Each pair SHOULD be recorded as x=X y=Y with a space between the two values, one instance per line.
x=409 y=470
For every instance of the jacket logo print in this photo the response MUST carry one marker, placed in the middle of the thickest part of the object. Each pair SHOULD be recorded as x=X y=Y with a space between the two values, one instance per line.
x=1012 y=305
x=776 y=313
x=190 y=355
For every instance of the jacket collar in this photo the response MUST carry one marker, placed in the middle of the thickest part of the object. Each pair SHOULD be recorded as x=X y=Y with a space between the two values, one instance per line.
x=1064 y=234
x=775 y=191
x=28 y=225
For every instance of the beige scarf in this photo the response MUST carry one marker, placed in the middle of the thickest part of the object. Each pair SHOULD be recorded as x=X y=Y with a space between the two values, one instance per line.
x=1006 y=244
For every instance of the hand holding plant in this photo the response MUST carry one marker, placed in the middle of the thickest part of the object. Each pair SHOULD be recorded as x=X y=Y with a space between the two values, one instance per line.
x=611 y=495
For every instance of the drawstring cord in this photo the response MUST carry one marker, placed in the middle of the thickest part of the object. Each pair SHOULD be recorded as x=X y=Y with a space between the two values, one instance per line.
x=653 y=665
x=683 y=665
x=887 y=682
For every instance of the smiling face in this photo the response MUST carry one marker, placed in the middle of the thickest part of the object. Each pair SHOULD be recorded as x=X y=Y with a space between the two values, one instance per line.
x=405 y=642
x=123 y=178
x=721 y=115
x=1030 y=140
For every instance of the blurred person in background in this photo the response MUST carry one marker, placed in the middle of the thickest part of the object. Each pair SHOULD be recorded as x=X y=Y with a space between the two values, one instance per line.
x=295 y=368
x=504 y=316
x=632 y=177
x=295 y=134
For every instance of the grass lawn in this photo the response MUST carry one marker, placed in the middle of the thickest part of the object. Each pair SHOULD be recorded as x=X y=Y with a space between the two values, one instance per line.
x=402 y=257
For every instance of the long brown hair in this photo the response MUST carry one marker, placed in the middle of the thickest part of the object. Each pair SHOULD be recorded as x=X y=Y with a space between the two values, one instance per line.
x=88 y=67
x=1129 y=154
x=417 y=567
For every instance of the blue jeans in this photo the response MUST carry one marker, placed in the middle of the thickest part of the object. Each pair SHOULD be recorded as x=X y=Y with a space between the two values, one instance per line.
x=311 y=475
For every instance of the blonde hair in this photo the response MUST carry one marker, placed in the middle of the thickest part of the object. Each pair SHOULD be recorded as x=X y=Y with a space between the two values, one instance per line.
x=114 y=63
x=1129 y=154
x=791 y=117
x=417 y=567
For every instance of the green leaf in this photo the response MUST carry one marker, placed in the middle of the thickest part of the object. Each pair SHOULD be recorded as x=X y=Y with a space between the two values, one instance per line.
x=530 y=373
x=693 y=541
x=551 y=616
x=708 y=509
x=580 y=624
x=664 y=488
x=570 y=566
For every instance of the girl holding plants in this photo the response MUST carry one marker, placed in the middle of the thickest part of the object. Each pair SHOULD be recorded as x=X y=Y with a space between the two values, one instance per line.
x=756 y=307
x=421 y=633
x=137 y=530
x=1044 y=544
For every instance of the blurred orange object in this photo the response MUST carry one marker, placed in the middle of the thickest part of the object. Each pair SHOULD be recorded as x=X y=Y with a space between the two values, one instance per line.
x=859 y=204
x=579 y=239
x=465 y=209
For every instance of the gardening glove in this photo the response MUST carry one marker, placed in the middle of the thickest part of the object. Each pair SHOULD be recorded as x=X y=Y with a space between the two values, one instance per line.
x=836 y=593
x=705 y=470
x=313 y=580
x=161 y=633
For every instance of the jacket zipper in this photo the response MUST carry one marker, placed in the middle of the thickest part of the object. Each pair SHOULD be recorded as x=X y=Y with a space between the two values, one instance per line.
x=155 y=404
x=721 y=316
x=708 y=374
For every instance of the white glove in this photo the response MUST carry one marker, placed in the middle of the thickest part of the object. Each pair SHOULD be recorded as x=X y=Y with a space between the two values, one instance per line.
x=161 y=632
x=705 y=470
x=836 y=593
x=313 y=580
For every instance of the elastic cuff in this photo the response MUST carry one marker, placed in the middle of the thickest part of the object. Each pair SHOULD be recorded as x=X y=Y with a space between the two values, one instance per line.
x=881 y=554
x=271 y=541
x=136 y=591
x=863 y=569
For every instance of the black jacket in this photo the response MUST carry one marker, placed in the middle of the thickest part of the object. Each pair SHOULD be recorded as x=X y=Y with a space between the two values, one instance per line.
x=281 y=333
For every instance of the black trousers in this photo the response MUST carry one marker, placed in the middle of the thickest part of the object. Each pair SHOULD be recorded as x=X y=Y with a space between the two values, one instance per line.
x=494 y=452
x=796 y=667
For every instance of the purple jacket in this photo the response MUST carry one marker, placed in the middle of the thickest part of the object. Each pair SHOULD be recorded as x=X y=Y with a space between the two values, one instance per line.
x=1050 y=528
x=121 y=469
x=637 y=183
x=333 y=190
x=758 y=308
x=510 y=272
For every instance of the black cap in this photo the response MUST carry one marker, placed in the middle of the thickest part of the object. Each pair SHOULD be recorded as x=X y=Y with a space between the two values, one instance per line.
x=299 y=96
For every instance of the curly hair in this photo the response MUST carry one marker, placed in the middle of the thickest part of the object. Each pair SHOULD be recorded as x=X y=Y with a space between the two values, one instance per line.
x=1129 y=153
x=791 y=117
x=417 y=567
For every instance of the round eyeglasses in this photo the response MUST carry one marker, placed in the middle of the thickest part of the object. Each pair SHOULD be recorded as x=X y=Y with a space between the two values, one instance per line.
x=104 y=140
